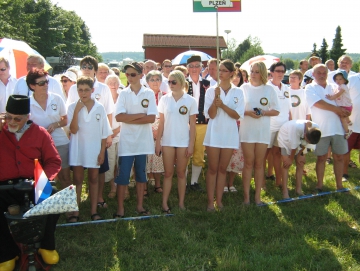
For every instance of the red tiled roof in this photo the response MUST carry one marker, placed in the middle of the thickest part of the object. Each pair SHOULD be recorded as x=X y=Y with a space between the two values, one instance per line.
x=186 y=41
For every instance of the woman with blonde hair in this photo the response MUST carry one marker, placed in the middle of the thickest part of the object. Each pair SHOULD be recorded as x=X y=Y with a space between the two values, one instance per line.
x=224 y=105
x=261 y=103
x=176 y=135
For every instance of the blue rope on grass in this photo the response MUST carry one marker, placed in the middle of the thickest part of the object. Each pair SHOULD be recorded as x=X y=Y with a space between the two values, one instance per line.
x=112 y=220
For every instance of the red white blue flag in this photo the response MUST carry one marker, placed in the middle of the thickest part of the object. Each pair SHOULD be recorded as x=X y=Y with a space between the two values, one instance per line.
x=43 y=187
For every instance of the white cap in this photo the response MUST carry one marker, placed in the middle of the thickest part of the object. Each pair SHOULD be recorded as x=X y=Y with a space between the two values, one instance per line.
x=71 y=75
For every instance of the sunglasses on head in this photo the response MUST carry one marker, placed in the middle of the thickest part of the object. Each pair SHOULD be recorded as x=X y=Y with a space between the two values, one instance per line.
x=9 y=118
x=3 y=69
x=172 y=82
x=42 y=83
x=133 y=74
x=89 y=67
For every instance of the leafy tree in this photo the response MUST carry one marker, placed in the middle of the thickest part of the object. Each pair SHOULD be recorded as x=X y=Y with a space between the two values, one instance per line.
x=230 y=51
x=337 y=47
x=323 y=52
x=290 y=64
x=241 y=49
x=254 y=50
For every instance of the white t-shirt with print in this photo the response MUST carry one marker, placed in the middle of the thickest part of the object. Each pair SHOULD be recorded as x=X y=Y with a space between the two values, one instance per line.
x=299 y=106
x=136 y=139
x=222 y=131
x=176 y=119
x=285 y=107
x=328 y=121
x=263 y=97
x=55 y=109
x=85 y=145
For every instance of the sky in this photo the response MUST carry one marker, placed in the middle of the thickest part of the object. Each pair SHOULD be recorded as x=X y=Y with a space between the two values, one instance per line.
x=282 y=26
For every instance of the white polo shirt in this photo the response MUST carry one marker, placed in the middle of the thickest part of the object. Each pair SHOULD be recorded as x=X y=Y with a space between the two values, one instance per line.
x=136 y=139
x=55 y=109
x=328 y=121
x=291 y=135
x=263 y=97
x=330 y=78
x=6 y=91
x=54 y=86
x=299 y=106
x=196 y=89
x=354 y=89
x=285 y=107
x=222 y=131
x=85 y=145
x=176 y=119
x=101 y=93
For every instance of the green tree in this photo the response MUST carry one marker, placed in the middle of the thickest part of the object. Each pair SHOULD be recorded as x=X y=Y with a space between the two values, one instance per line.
x=254 y=50
x=337 y=49
x=314 y=51
x=323 y=52
x=241 y=49
x=230 y=51
x=290 y=65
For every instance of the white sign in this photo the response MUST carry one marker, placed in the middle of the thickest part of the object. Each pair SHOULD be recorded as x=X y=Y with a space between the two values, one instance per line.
x=214 y=3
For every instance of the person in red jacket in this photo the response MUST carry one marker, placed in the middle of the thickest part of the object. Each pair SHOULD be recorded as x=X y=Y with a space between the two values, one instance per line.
x=22 y=141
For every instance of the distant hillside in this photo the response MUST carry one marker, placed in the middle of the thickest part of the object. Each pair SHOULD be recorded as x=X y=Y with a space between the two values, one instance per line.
x=119 y=56
x=299 y=56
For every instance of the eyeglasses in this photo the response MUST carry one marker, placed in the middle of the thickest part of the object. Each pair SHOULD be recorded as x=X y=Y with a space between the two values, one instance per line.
x=9 y=118
x=89 y=67
x=131 y=74
x=3 y=69
x=194 y=66
x=167 y=66
x=154 y=80
x=42 y=83
x=64 y=81
x=172 y=82
x=279 y=71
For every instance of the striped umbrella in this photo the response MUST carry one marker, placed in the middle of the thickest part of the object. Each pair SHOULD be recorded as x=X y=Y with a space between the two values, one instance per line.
x=16 y=52
x=183 y=57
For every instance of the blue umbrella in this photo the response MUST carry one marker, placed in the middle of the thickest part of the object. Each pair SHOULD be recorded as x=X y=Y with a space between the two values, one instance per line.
x=183 y=57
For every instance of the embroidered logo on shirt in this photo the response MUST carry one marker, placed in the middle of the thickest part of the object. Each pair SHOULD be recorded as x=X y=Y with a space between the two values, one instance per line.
x=97 y=96
x=264 y=101
x=98 y=117
x=296 y=101
x=286 y=94
x=183 y=110
x=54 y=107
x=145 y=103
x=236 y=100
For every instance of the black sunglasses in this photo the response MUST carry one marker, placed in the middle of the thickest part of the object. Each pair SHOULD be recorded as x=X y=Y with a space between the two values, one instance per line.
x=3 y=69
x=89 y=67
x=172 y=82
x=133 y=74
x=42 y=83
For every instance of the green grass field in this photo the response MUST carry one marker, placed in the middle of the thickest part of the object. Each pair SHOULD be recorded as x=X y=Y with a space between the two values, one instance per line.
x=321 y=233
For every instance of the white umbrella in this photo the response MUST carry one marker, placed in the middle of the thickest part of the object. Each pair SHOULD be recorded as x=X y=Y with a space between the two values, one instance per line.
x=183 y=57
x=267 y=59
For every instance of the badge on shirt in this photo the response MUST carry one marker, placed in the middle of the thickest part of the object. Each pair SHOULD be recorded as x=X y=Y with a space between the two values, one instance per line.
x=236 y=100
x=97 y=96
x=98 y=117
x=295 y=101
x=286 y=94
x=183 y=110
x=264 y=101
x=54 y=107
x=145 y=103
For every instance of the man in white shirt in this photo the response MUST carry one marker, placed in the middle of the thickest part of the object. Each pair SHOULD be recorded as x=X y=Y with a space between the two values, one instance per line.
x=344 y=63
x=7 y=83
x=37 y=61
x=327 y=115
x=197 y=89
x=166 y=67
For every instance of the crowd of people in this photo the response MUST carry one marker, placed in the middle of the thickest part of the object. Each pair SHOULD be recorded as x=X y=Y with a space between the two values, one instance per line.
x=167 y=116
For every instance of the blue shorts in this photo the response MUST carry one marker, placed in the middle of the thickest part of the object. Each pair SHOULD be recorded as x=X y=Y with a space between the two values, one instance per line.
x=125 y=164
x=104 y=166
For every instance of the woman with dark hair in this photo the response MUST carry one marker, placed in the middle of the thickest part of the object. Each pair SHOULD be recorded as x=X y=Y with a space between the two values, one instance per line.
x=238 y=79
x=48 y=110
x=245 y=75
x=223 y=105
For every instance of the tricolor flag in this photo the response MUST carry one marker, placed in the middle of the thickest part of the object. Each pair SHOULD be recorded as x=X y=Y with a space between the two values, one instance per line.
x=43 y=187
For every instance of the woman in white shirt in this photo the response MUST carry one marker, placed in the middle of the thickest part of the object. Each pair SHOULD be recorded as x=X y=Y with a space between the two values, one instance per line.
x=175 y=136
x=223 y=105
x=261 y=103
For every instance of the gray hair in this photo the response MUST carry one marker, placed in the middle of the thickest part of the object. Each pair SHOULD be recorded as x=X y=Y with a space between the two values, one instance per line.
x=152 y=74
x=112 y=77
x=343 y=57
x=40 y=59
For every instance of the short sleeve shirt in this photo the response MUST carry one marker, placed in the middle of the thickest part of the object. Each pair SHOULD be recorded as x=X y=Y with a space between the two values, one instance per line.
x=285 y=106
x=299 y=106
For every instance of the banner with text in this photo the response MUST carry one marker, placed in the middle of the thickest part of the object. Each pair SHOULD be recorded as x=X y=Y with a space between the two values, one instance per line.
x=213 y=6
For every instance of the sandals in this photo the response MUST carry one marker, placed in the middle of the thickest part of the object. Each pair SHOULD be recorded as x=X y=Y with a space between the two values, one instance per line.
x=72 y=219
x=352 y=164
x=95 y=217
x=115 y=215
x=143 y=213
x=156 y=190
x=271 y=177
x=102 y=204
x=168 y=211
x=146 y=193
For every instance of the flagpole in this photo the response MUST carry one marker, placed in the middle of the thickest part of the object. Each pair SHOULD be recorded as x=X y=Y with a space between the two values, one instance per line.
x=217 y=44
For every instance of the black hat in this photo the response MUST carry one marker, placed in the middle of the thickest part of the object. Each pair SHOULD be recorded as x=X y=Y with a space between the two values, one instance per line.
x=136 y=66
x=194 y=58
x=18 y=105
